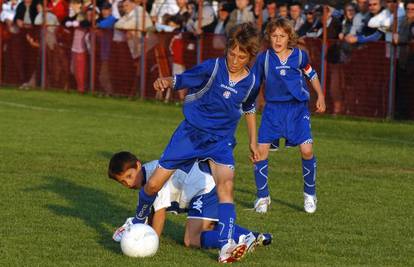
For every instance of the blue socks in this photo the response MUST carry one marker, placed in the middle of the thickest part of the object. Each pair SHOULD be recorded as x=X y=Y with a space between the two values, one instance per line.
x=144 y=206
x=210 y=239
x=309 y=176
x=227 y=220
x=260 y=175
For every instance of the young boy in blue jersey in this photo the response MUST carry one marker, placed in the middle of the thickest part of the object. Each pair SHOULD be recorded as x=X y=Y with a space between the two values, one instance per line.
x=194 y=191
x=286 y=114
x=220 y=91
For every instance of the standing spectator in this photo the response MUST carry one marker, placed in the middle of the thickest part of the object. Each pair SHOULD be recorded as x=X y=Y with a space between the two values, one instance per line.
x=132 y=22
x=177 y=47
x=361 y=17
x=53 y=61
x=26 y=13
x=313 y=26
x=384 y=20
x=219 y=40
x=271 y=8
x=208 y=20
x=162 y=7
x=406 y=27
x=405 y=69
x=283 y=11
x=77 y=21
x=295 y=11
x=242 y=13
x=8 y=11
x=58 y=7
x=223 y=17
x=335 y=72
x=106 y=24
x=347 y=22
x=368 y=34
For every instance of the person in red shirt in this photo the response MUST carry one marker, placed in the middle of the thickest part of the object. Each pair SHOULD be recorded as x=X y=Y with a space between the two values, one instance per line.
x=60 y=8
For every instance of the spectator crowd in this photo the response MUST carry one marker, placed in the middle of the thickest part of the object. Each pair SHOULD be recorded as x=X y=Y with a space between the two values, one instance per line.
x=357 y=22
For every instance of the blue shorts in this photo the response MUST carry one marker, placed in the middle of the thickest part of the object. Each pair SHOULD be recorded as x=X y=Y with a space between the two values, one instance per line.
x=204 y=207
x=289 y=120
x=189 y=144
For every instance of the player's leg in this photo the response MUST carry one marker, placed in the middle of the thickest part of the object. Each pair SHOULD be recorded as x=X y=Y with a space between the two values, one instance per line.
x=300 y=128
x=270 y=129
x=230 y=251
x=193 y=234
x=148 y=193
x=309 y=177
x=261 y=178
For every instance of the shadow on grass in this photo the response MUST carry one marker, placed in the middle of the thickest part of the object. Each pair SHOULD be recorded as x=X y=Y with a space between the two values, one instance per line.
x=97 y=209
x=249 y=205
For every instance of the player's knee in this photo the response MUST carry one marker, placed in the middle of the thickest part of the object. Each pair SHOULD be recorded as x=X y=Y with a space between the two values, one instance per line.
x=307 y=153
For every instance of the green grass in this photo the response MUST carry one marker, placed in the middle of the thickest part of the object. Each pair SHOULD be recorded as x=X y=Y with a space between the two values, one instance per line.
x=59 y=209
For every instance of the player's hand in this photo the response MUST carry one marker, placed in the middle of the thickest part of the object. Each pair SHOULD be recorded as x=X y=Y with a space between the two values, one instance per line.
x=254 y=153
x=162 y=83
x=120 y=231
x=320 y=104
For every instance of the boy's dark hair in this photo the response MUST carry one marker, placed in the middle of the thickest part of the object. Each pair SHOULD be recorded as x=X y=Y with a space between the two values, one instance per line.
x=284 y=24
x=295 y=3
x=246 y=36
x=121 y=162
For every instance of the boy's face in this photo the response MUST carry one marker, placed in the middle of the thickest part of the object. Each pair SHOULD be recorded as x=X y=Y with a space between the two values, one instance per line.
x=283 y=11
x=295 y=11
x=130 y=178
x=237 y=59
x=279 y=40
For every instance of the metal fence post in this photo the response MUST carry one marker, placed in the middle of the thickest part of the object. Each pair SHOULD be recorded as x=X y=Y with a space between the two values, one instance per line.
x=92 y=61
x=43 y=64
x=324 y=48
x=143 y=72
x=393 y=66
x=1 y=46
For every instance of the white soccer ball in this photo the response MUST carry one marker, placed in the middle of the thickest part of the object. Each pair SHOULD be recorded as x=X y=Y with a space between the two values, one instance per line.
x=139 y=240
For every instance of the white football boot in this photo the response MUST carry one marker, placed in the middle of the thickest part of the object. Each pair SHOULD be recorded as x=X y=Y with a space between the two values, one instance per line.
x=121 y=230
x=309 y=203
x=262 y=204
x=250 y=241
x=232 y=252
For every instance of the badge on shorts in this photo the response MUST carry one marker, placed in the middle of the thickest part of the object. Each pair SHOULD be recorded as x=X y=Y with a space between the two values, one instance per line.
x=282 y=72
x=226 y=94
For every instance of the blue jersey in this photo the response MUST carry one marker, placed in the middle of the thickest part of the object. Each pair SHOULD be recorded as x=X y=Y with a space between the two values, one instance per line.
x=214 y=103
x=284 y=81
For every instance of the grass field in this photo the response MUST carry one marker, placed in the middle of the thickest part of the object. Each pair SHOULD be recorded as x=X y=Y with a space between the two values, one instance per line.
x=58 y=208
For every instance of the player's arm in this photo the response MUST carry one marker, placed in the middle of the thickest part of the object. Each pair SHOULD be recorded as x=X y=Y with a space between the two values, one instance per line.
x=157 y=221
x=313 y=78
x=191 y=78
x=252 y=133
x=320 y=102
x=249 y=109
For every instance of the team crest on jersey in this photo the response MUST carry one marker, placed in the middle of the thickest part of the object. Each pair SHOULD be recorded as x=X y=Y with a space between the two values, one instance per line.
x=226 y=94
x=282 y=72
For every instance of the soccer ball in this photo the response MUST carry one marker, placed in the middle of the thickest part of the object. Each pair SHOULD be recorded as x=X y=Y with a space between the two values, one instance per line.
x=139 y=240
